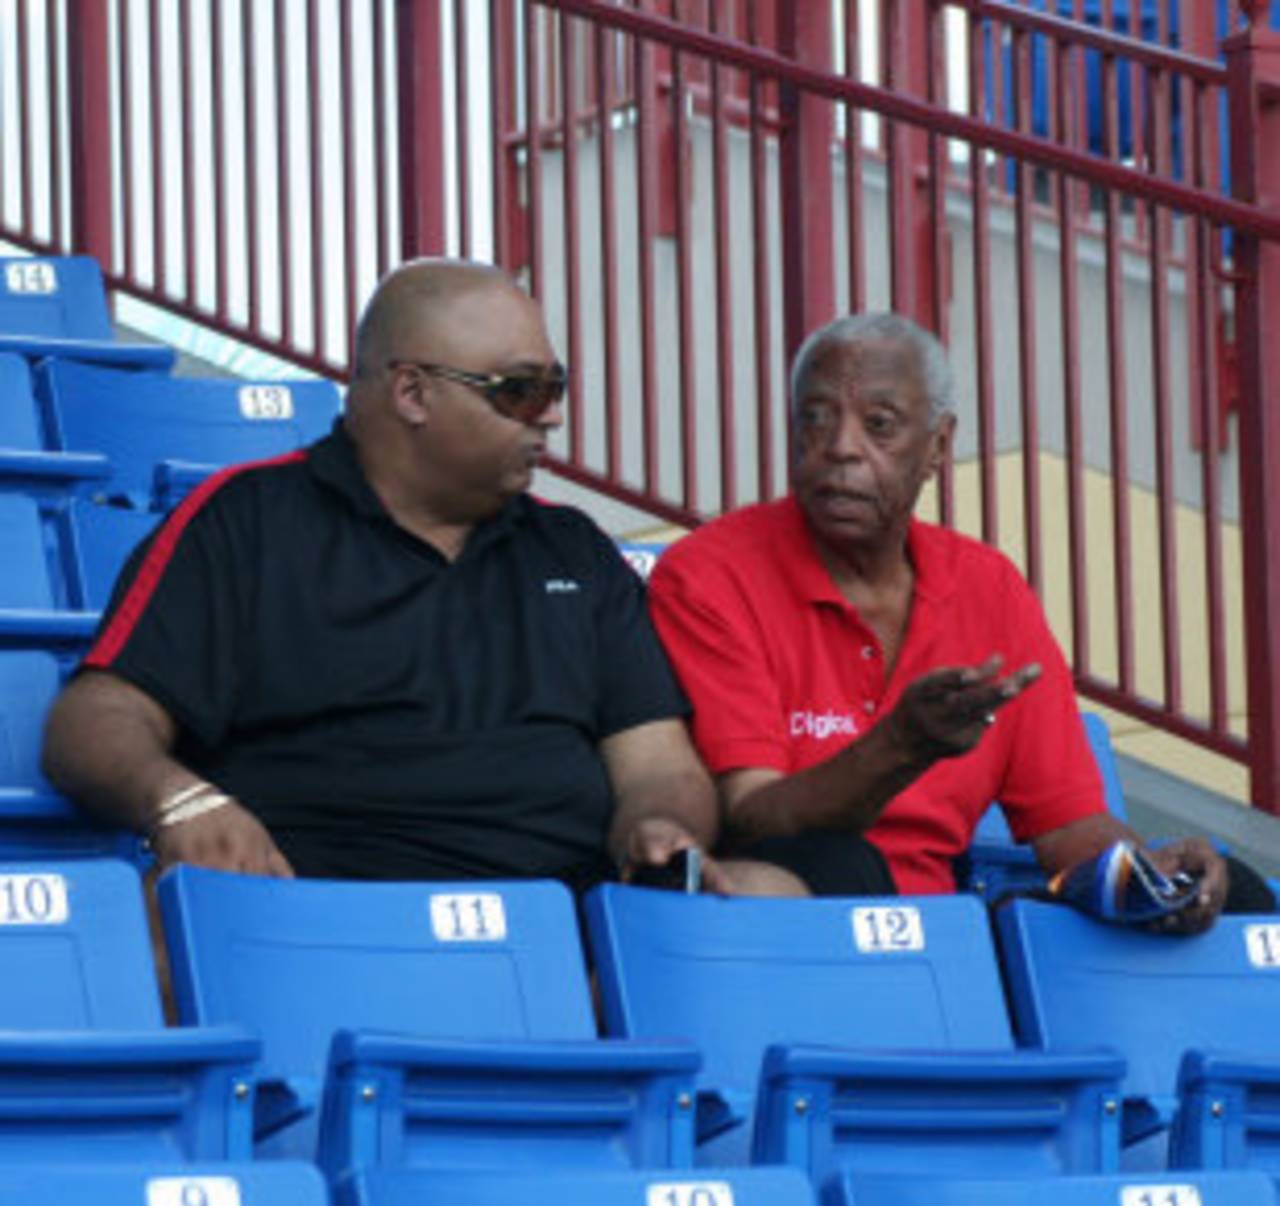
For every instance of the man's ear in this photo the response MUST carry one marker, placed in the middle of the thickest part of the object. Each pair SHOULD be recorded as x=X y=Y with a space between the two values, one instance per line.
x=410 y=397
x=940 y=442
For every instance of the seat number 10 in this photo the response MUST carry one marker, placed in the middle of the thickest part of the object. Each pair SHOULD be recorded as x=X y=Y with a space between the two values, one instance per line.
x=690 y=1193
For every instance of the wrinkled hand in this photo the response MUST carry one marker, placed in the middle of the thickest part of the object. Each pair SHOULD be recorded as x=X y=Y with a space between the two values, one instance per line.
x=1199 y=859
x=229 y=838
x=655 y=840
x=945 y=712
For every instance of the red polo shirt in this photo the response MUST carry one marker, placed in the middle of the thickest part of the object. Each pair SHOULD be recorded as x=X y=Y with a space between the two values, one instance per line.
x=782 y=673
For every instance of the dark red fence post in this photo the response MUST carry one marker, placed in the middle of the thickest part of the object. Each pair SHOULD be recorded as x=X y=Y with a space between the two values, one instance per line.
x=1253 y=61
x=808 y=249
x=89 y=94
x=420 y=50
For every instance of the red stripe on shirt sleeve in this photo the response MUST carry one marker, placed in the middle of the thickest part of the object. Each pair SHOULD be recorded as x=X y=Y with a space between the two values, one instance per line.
x=114 y=638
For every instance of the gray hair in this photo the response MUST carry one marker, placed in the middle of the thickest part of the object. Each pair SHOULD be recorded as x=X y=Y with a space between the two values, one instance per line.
x=881 y=327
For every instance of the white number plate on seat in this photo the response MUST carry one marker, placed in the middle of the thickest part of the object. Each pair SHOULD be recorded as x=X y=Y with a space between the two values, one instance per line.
x=267 y=402
x=1160 y=1195
x=31 y=276
x=193 y=1191
x=881 y=929
x=690 y=1193
x=33 y=900
x=1263 y=944
x=469 y=917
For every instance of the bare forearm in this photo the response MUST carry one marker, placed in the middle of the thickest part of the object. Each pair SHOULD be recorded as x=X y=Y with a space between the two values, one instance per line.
x=108 y=748
x=847 y=791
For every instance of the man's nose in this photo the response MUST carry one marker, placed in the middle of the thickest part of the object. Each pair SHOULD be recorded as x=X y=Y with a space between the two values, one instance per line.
x=848 y=440
x=551 y=419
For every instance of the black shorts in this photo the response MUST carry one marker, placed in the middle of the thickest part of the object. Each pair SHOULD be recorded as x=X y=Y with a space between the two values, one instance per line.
x=832 y=862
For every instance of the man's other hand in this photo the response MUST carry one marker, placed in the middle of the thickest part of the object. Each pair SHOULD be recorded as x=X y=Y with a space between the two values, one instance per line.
x=1199 y=859
x=656 y=840
x=944 y=713
x=228 y=838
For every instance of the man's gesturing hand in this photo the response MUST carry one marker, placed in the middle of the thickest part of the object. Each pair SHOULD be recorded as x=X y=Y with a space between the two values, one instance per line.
x=945 y=712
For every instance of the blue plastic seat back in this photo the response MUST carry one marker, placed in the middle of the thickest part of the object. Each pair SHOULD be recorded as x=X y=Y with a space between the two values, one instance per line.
x=1074 y=982
x=61 y=296
x=641 y=556
x=298 y=959
x=105 y=536
x=80 y=1183
x=75 y=951
x=553 y=1187
x=1161 y=1189
x=25 y=576
x=29 y=680
x=736 y=975
x=19 y=422
x=140 y=420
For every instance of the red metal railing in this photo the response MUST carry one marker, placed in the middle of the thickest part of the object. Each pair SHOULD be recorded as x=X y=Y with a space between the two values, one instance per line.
x=689 y=187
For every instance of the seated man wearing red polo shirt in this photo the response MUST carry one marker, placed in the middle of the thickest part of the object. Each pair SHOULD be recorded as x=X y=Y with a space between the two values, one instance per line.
x=863 y=683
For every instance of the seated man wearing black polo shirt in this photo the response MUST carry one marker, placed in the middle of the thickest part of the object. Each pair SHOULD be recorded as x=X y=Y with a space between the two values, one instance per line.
x=379 y=657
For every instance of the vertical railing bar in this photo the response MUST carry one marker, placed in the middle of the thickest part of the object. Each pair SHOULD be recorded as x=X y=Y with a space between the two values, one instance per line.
x=1080 y=130
x=646 y=167
x=220 y=218
x=605 y=40
x=284 y=175
x=533 y=148
x=252 y=201
x=999 y=114
x=350 y=183
x=720 y=187
x=381 y=166
x=315 y=156
x=53 y=40
x=501 y=71
x=186 y=56
x=983 y=351
x=1138 y=126
x=1211 y=478
x=853 y=163
x=1068 y=269
x=1117 y=390
x=26 y=102
x=159 y=177
x=572 y=233
x=890 y=19
x=760 y=276
x=1158 y=251
x=939 y=158
x=462 y=125
x=1028 y=388
x=684 y=280
x=124 y=27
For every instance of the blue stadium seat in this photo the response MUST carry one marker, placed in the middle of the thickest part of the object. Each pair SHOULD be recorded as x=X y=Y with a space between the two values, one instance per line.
x=103 y=537
x=19 y=419
x=1155 y=998
x=80 y=1183
x=140 y=421
x=36 y=822
x=1176 y=1189
x=456 y=1019
x=87 y=1069
x=710 y=1187
x=640 y=556
x=916 y=1064
x=995 y=864
x=57 y=306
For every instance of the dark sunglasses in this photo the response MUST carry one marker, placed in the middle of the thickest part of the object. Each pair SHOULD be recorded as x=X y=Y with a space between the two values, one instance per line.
x=525 y=397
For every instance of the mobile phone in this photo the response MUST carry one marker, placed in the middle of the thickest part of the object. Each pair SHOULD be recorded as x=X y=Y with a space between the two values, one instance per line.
x=682 y=872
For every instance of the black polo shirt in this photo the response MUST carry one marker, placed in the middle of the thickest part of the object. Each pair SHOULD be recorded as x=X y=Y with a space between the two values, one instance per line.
x=388 y=713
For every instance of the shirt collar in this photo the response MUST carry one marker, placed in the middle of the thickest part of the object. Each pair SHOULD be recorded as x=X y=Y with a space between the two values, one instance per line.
x=934 y=572
x=333 y=461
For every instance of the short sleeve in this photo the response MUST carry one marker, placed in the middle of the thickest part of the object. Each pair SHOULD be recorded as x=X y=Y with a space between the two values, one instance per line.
x=172 y=626
x=636 y=683
x=1051 y=778
x=719 y=655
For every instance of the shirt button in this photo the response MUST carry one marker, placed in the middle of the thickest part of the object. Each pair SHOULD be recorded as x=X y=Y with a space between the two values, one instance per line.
x=868 y=652
x=868 y=707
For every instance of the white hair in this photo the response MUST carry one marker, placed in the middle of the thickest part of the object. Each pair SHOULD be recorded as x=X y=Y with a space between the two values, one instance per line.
x=881 y=327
